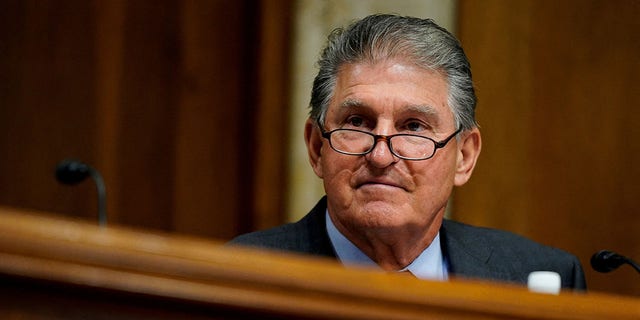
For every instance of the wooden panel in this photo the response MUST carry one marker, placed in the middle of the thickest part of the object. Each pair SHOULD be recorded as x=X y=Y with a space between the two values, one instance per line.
x=110 y=18
x=148 y=107
x=73 y=270
x=46 y=98
x=271 y=154
x=557 y=85
x=171 y=100
x=499 y=194
x=215 y=132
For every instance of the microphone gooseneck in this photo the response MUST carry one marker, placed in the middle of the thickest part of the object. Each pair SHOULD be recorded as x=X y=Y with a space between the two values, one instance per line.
x=607 y=261
x=72 y=172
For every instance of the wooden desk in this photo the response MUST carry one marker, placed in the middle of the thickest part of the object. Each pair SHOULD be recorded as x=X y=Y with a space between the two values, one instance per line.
x=56 y=268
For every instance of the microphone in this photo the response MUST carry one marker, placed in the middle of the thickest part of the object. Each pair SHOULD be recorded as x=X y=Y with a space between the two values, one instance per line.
x=607 y=261
x=72 y=172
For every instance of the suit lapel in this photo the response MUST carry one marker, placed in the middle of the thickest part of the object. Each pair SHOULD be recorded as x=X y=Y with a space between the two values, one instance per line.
x=469 y=255
x=314 y=225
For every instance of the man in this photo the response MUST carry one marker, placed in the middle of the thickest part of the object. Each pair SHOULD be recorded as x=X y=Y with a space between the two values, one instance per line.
x=391 y=131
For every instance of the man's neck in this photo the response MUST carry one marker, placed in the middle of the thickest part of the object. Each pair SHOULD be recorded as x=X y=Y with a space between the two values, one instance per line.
x=392 y=250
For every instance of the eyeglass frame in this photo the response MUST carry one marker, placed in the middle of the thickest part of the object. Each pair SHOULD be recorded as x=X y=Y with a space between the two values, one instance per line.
x=387 y=138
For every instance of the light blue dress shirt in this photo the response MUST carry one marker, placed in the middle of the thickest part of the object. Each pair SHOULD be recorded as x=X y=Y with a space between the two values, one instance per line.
x=430 y=264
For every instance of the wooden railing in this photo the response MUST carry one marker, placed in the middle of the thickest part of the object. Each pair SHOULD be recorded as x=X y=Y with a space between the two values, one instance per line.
x=57 y=268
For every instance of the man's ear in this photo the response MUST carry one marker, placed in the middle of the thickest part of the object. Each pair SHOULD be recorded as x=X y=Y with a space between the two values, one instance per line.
x=469 y=148
x=313 y=139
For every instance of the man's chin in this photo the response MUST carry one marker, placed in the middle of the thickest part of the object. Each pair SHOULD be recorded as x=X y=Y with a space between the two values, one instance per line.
x=370 y=202
x=381 y=206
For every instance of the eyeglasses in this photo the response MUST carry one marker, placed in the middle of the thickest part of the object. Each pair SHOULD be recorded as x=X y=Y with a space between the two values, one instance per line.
x=404 y=146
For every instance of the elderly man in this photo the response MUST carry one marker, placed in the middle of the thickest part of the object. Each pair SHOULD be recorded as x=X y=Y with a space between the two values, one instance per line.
x=391 y=131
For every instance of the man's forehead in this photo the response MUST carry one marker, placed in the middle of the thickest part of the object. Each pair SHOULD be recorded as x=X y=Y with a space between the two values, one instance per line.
x=393 y=86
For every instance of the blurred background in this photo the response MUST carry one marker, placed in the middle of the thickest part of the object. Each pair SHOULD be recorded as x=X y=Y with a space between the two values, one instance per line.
x=193 y=111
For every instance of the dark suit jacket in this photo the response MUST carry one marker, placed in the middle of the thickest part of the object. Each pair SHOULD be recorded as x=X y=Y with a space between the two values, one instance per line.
x=471 y=252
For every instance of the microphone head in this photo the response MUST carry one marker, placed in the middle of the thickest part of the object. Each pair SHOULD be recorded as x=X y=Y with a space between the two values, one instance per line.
x=72 y=172
x=606 y=261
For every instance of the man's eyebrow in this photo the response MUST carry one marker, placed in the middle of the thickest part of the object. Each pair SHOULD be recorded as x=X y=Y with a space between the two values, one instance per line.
x=351 y=103
x=428 y=112
x=423 y=110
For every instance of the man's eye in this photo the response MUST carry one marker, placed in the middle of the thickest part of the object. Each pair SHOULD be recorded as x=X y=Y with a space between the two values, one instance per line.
x=355 y=121
x=415 y=126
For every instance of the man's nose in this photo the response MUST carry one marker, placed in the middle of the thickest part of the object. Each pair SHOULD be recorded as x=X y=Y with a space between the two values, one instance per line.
x=381 y=155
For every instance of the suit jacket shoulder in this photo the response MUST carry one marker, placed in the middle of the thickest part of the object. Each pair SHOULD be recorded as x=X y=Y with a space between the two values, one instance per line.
x=485 y=253
x=307 y=236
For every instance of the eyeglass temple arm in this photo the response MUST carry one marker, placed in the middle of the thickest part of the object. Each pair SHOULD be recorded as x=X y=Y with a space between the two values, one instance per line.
x=441 y=144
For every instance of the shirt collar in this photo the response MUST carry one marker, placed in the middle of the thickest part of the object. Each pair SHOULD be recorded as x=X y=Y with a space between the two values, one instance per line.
x=430 y=264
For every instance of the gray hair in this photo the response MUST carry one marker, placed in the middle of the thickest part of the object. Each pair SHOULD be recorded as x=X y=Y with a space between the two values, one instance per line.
x=378 y=37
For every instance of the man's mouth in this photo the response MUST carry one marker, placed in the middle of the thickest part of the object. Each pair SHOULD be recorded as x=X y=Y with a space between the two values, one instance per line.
x=379 y=182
